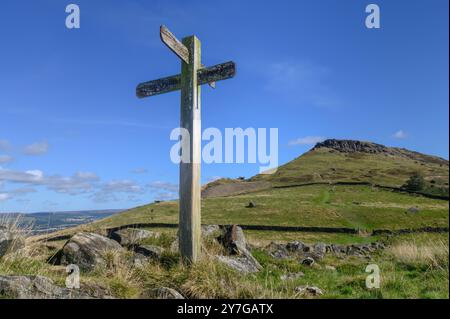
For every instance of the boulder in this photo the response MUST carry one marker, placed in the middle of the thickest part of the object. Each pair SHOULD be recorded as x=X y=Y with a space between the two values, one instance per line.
x=311 y=290
x=295 y=246
x=210 y=230
x=413 y=210
x=10 y=242
x=132 y=236
x=320 y=249
x=233 y=239
x=35 y=287
x=242 y=264
x=251 y=205
x=149 y=251
x=308 y=261
x=240 y=258
x=278 y=251
x=86 y=250
x=166 y=293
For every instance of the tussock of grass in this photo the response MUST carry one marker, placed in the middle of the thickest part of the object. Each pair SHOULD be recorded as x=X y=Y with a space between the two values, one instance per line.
x=431 y=255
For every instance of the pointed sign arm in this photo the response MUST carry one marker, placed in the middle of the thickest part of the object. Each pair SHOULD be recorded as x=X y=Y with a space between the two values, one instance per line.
x=174 y=44
x=177 y=47
x=215 y=73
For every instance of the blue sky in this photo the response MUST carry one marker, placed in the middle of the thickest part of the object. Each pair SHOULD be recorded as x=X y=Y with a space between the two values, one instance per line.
x=74 y=136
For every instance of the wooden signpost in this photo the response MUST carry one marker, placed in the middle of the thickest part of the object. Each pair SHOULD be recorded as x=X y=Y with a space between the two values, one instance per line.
x=193 y=75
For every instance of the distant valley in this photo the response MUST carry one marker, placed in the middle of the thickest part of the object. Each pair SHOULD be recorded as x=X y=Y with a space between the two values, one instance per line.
x=47 y=222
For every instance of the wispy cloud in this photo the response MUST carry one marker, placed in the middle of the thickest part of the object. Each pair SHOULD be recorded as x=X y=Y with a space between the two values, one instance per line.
x=110 y=191
x=4 y=159
x=38 y=148
x=307 y=140
x=400 y=134
x=139 y=170
x=4 y=197
x=163 y=190
x=78 y=183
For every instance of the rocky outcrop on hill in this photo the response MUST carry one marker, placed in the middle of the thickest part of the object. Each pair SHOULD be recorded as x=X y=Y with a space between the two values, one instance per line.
x=353 y=146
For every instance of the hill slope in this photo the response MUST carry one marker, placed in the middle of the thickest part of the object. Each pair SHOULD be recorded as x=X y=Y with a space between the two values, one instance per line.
x=356 y=161
x=322 y=204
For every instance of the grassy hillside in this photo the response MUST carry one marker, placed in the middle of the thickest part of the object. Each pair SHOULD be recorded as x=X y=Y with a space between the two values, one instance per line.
x=387 y=166
x=354 y=206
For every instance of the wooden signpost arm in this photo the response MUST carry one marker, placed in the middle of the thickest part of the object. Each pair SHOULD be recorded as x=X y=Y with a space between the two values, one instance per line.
x=215 y=73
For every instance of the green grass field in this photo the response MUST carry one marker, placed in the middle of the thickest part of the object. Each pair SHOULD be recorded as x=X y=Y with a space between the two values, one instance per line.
x=326 y=206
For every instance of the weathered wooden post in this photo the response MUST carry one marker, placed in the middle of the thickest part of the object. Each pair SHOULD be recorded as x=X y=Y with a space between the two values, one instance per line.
x=193 y=75
x=190 y=186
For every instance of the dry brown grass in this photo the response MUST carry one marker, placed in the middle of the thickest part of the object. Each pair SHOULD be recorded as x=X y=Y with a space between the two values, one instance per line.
x=432 y=254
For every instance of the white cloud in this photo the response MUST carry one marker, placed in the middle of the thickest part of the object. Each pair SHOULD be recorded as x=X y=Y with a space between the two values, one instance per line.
x=307 y=140
x=4 y=159
x=27 y=177
x=4 y=197
x=109 y=191
x=38 y=148
x=165 y=186
x=400 y=134
x=80 y=182
x=123 y=186
x=163 y=190
x=77 y=184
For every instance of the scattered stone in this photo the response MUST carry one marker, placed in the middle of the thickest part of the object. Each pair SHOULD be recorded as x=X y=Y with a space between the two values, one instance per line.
x=308 y=261
x=295 y=246
x=292 y=276
x=10 y=242
x=278 y=251
x=251 y=205
x=149 y=251
x=233 y=239
x=279 y=254
x=86 y=250
x=314 y=291
x=166 y=293
x=413 y=210
x=243 y=264
x=210 y=230
x=175 y=246
x=35 y=287
x=320 y=249
x=331 y=268
x=307 y=248
x=132 y=236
